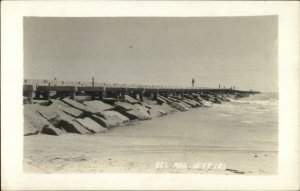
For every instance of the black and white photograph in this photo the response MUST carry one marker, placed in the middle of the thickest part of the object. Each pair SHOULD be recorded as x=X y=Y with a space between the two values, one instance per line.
x=126 y=95
x=177 y=95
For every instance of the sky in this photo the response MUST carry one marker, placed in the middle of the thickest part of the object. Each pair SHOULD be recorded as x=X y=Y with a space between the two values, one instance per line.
x=230 y=51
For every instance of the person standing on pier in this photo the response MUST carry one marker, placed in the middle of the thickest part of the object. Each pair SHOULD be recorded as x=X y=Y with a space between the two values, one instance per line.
x=193 y=82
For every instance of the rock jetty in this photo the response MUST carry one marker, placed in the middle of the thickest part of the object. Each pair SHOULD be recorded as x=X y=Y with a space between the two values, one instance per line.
x=87 y=112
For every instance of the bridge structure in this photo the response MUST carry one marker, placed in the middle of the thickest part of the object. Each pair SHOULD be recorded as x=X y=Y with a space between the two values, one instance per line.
x=106 y=92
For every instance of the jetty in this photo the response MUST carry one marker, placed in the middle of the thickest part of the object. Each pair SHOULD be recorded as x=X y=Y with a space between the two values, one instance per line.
x=56 y=107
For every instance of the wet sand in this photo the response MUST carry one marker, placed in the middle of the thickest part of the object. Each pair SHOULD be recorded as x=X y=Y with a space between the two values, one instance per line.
x=203 y=140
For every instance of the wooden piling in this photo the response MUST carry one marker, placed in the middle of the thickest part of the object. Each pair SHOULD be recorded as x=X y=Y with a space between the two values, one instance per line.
x=141 y=95
x=46 y=95
x=102 y=95
x=73 y=95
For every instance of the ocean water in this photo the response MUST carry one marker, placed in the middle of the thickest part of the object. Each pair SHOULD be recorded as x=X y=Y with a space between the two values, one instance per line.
x=245 y=125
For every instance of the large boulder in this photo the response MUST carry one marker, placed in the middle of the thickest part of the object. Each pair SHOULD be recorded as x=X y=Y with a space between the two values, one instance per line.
x=80 y=106
x=136 y=114
x=121 y=118
x=191 y=102
x=162 y=99
x=135 y=111
x=157 y=111
x=110 y=118
x=146 y=105
x=188 y=103
x=185 y=104
x=205 y=97
x=98 y=105
x=61 y=120
x=238 y=95
x=179 y=106
x=203 y=102
x=142 y=108
x=50 y=130
x=206 y=103
x=122 y=106
x=215 y=99
x=147 y=102
x=230 y=96
x=176 y=99
x=167 y=108
x=91 y=125
x=196 y=102
x=182 y=101
x=66 y=108
x=29 y=129
x=101 y=120
x=33 y=122
x=131 y=99
x=223 y=97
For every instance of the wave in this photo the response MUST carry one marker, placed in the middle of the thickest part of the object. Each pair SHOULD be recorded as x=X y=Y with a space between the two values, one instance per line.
x=259 y=103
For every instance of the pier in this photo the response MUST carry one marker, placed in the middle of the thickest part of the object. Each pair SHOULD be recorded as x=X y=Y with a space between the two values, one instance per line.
x=45 y=90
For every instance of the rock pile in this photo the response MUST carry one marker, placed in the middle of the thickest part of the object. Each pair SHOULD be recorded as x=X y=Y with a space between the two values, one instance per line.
x=60 y=116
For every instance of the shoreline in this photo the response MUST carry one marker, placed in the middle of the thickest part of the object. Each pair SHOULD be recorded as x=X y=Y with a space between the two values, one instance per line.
x=138 y=148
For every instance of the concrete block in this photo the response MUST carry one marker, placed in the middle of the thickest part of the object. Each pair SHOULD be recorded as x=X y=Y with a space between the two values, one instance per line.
x=101 y=120
x=66 y=108
x=179 y=106
x=157 y=111
x=167 y=108
x=131 y=99
x=32 y=120
x=147 y=102
x=80 y=106
x=29 y=129
x=61 y=120
x=91 y=125
x=122 y=118
x=98 y=105
x=50 y=130
x=136 y=114
x=122 y=106
x=110 y=118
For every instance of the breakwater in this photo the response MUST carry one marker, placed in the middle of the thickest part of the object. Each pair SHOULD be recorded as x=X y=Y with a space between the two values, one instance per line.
x=52 y=107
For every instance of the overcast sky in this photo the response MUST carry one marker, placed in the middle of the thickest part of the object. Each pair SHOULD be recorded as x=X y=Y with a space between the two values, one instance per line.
x=231 y=51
